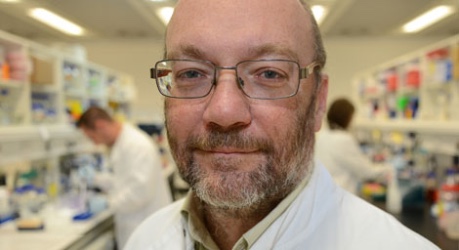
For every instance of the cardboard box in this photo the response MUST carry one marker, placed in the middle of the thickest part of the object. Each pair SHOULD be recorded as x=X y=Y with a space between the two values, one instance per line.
x=42 y=71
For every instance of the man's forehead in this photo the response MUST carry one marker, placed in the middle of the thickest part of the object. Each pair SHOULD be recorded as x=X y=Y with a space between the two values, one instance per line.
x=191 y=8
x=231 y=22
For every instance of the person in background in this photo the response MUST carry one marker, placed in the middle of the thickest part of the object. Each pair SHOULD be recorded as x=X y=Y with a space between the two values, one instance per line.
x=136 y=186
x=246 y=95
x=340 y=152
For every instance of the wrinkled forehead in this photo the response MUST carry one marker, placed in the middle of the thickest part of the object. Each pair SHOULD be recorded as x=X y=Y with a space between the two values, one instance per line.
x=229 y=25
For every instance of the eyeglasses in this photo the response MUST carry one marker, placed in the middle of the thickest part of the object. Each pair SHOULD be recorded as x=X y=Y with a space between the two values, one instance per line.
x=258 y=79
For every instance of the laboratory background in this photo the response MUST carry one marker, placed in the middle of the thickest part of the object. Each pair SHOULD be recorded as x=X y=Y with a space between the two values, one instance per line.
x=397 y=61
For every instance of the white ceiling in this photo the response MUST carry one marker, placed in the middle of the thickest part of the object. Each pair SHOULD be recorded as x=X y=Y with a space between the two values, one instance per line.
x=120 y=19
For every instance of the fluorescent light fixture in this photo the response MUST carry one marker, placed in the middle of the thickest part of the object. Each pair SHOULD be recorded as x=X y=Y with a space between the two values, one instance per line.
x=428 y=18
x=9 y=1
x=319 y=12
x=165 y=14
x=56 y=21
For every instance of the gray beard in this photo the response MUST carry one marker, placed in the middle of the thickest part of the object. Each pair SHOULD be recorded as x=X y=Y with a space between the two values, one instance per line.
x=245 y=193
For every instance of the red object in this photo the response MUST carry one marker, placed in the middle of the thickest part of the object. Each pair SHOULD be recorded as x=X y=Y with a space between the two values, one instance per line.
x=392 y=82
x=450 y=188
x=5 y=74
x=413 y=78
x=438 y=54
x=432 y=195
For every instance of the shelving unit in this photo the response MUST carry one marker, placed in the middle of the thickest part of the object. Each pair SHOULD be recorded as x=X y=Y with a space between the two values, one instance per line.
x=44 y=87
x=13 y=85
x=416 y=92
x=43 y=91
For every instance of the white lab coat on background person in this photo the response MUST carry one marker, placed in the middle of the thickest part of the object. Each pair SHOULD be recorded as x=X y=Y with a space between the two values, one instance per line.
x=340 y=153
x=323 y=216
x=136 y=186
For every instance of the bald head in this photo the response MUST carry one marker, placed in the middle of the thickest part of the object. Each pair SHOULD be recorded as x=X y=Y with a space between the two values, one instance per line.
x=237 y=25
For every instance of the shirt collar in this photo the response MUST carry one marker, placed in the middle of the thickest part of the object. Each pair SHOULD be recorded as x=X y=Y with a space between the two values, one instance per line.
x=193 y=215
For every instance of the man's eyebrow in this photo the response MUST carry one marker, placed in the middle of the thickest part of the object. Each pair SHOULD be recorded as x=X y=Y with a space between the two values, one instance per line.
x=191 y=51
x=186 y=51
x=274 y=50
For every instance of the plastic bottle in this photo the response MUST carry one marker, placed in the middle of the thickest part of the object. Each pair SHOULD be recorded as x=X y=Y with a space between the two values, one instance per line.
x=448 y=205
x=29 y=200
x=6 y=210
x=5 y=71
x=394 y=196
x=431 y=181
x=449 y=191
x=4 y=110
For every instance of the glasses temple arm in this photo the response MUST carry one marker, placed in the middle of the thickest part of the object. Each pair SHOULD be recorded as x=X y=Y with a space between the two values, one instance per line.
x=305 y=72
x=153 y=73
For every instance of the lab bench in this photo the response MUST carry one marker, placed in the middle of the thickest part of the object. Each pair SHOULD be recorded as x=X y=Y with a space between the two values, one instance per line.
x=60 y=232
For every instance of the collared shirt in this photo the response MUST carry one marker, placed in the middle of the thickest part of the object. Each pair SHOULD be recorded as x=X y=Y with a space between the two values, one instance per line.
x=322 y=216
x=136 y=187
x=339 y=151
x=201 y=236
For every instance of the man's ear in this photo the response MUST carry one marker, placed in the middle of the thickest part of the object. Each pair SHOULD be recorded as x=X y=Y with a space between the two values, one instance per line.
x=321 y=102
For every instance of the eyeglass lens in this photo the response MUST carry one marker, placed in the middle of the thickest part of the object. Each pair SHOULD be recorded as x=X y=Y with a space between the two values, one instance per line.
x=264 y=79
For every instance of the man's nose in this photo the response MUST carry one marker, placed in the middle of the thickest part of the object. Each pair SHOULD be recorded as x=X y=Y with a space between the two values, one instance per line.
x=228 y=106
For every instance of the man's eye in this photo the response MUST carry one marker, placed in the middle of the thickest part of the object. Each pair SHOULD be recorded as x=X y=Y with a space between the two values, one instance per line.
x=190 y=74
x=270 y=74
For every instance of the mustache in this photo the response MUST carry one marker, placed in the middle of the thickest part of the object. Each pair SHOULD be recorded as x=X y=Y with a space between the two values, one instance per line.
x=234 y=139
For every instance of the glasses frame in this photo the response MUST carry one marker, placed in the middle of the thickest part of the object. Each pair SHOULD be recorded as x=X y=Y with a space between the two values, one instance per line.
x=303 y=74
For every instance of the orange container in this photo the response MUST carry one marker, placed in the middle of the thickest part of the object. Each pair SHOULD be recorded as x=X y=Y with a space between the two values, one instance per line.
x=5 y=71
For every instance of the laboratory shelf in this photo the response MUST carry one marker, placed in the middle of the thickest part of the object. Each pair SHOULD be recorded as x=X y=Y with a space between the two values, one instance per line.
x=419 y=86
x=12 y=84
x=48 y=88
x=38 y=114
x=416 y=94
x=424 y=127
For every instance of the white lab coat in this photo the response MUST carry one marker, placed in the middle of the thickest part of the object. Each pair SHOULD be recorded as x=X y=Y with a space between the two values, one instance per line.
x=341 y=155
x=137 y=187
x=323 y=216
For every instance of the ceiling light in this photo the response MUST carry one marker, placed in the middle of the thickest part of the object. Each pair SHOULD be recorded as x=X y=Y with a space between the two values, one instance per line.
x=56 y=21
x=9 y=1
x=319 y=12
x=165 y=14
x=428 y=18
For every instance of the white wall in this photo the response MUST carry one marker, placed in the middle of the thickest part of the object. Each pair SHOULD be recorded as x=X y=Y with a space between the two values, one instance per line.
x=346 y=57
x=134 y=57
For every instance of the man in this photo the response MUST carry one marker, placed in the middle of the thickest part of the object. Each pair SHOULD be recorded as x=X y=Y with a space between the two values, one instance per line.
x=340 y=152
x=136 y=187
x=244 y=96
